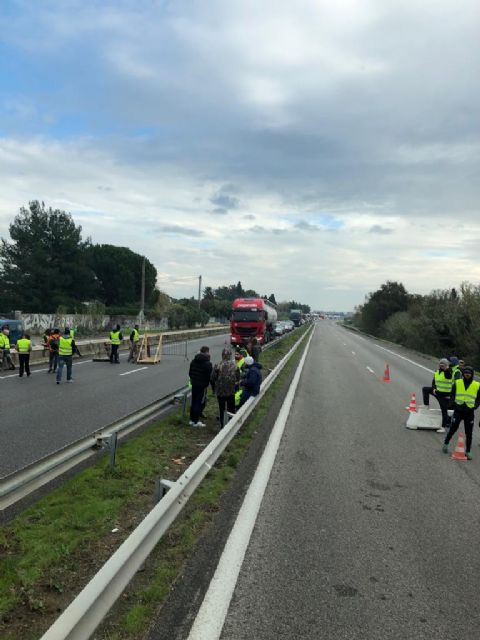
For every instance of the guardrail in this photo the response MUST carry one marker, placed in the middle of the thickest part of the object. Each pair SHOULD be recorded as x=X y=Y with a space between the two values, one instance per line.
x=22 y=482
x=86 y=612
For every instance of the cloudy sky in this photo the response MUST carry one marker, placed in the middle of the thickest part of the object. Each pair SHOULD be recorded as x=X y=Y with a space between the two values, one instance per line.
x=313 y=149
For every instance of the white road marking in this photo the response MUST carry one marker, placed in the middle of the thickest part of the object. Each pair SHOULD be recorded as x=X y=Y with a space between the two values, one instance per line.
x=370 y=369
x=403 y=358
x=211 y=615
x=127 y=373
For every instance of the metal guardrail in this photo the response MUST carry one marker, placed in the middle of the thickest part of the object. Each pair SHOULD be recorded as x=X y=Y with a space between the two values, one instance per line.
x=22 y=482
x=86 y=612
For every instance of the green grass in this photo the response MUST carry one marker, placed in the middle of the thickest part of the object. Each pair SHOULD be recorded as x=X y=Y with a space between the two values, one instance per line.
x=52 y=549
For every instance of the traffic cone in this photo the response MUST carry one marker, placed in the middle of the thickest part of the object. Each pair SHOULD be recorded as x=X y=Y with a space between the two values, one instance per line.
x=459 y=453
x=386 y=374
x=413 y=403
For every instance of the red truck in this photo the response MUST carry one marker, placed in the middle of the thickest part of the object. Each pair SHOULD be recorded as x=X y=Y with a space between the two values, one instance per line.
x=252 y=318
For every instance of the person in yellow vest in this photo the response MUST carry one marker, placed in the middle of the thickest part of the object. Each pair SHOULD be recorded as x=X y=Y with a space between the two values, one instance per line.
x=7 y=362
x=24 y=348
x=66 y=348
x=442 y=383
x=466 y=398
x=134 y=338
x=116 y=340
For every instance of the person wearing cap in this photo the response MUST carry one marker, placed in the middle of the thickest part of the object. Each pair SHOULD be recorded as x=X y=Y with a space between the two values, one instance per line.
x=441 y=388
x=252 y=380
x=225 y=376
x=456 y=367
x=466 y=398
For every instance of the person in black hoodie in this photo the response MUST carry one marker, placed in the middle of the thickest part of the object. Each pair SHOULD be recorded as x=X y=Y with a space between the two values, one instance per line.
x=252 y=380
x=466 y=397
x=200 y=372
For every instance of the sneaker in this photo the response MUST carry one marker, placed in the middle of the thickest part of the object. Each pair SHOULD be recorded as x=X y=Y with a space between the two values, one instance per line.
x=441 y=430
x=71 y=380
x=445 y=448
x=199 y=424
x=469 y=455
x=58 y=381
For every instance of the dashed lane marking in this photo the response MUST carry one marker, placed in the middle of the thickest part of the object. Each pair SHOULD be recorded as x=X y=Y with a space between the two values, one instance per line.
x=370 y=369
x=127 y=373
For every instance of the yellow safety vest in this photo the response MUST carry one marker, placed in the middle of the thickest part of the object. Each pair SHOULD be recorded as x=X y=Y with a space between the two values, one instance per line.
x=238 y=397
x=443 y=384
x=466 y=396
x=115 y=337
x=23 y=345
x=240 y=363
x=4 y=341
x=72 y=333
x=65 y=346
x=135 y=335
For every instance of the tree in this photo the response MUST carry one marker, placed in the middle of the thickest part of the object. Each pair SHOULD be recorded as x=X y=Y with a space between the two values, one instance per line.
x=119 y=274
x=45 y=265
x=381 y=304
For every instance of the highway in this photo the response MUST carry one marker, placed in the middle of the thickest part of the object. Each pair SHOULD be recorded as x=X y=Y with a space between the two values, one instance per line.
x=38 y=416
x=366 y=530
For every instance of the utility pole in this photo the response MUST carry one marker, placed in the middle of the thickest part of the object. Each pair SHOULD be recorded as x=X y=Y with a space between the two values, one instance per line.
x=199 y=289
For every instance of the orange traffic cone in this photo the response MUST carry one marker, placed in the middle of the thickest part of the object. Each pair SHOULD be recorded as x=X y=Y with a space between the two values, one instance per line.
x=386 y=374
x=459 y=453
x=413 y=403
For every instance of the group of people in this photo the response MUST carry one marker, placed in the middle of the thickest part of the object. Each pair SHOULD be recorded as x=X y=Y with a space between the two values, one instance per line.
x=454 y=387
x=234 y=380
x=61 y=348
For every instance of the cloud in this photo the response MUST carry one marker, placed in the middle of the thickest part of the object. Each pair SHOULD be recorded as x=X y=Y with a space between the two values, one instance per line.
x=174 y=229
x=326 y=124
x=377 y=228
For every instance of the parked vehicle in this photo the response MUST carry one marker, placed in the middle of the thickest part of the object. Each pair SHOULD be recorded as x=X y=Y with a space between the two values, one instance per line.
x=252 y=318
x=279 y=329
x=296 y=317
x=16 y=329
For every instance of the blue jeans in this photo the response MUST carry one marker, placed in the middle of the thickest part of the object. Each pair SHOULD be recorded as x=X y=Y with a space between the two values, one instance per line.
x=62 y=361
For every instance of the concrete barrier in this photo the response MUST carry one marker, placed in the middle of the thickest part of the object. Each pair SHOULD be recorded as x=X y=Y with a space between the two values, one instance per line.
x=95 y=348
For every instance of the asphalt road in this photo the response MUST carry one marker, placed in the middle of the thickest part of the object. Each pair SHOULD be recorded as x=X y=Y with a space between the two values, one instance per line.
x=37 y=416
x=366 y=530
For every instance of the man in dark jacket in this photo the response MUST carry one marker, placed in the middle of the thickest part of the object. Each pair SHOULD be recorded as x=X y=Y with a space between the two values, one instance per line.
x=200 y=372
x=466 y=398
x=252 y=380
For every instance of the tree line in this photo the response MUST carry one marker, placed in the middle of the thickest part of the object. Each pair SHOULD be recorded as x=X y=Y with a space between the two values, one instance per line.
x=47 y=266
x=442 y=323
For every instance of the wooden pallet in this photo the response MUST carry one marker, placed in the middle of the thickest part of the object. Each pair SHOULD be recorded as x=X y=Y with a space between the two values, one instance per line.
x=150 y=351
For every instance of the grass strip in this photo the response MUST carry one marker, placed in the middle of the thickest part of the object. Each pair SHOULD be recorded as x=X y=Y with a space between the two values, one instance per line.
x=48 y=553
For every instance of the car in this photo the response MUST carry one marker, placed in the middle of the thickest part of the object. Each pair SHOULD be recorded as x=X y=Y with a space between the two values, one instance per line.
x=289 y=325
x=279 y=329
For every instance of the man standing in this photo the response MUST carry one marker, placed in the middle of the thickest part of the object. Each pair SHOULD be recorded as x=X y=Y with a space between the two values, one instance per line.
x=53 y=344
x=225 y=376
x=116 y=340
x=66 y=347
x=466 y=398
x=200 y=372
x=134 y=338
x=441 y=388
x=7 y=361
x=24 y=348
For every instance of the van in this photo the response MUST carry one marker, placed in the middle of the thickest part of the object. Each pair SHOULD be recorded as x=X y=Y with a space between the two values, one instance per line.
x=16 y=329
